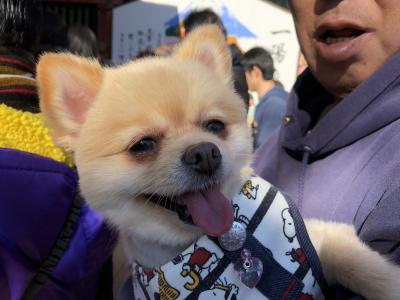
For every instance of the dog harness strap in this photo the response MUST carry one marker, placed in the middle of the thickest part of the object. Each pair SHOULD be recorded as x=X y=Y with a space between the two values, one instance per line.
x=312 y=258
x=50 y=263
x=262 y=210
x=276 y=282
x=270 y=258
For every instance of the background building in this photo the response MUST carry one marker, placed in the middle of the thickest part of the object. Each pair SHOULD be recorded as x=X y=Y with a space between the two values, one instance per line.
x=97 y=14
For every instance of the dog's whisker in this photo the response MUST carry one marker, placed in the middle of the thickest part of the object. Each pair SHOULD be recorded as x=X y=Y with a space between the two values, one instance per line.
x=148 y=199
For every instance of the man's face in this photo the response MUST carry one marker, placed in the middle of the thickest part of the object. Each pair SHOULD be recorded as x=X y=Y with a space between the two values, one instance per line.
x=346 y=41
x=253 y=76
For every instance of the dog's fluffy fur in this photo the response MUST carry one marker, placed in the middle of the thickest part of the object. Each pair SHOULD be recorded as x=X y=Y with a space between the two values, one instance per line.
x=100 y=113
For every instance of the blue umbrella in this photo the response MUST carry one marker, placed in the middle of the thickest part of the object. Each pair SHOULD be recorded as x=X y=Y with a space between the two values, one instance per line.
x=232 y=24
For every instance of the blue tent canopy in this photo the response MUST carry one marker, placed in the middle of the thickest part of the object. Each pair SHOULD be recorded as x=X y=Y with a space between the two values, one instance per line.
x=232 y=25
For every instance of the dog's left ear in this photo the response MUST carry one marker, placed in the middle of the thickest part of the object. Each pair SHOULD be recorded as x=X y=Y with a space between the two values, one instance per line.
x=207 y=45
x=68 y=86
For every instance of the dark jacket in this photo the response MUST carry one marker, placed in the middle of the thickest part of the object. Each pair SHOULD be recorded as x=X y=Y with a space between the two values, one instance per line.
x=346 y=166
x=269 y=114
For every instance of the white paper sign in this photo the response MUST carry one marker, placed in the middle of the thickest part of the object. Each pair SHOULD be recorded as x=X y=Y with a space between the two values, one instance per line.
x=140 y=26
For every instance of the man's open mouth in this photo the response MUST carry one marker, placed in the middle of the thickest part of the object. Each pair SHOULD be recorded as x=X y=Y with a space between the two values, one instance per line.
x=332 y=36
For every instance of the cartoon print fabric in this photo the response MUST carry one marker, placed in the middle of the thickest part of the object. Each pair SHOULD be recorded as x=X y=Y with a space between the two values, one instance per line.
x=275 y=235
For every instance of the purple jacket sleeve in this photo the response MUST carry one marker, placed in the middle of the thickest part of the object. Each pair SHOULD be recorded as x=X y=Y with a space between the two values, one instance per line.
x=381 y=231
x=35 y=199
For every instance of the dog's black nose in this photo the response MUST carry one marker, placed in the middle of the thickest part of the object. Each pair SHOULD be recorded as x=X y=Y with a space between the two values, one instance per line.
x=205 y=158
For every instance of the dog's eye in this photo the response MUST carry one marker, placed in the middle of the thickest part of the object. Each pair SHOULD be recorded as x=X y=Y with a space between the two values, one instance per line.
x=215 y=126
x=144 y=146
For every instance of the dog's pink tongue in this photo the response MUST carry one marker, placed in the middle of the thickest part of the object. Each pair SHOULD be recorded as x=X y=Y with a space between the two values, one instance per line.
x=211 y=211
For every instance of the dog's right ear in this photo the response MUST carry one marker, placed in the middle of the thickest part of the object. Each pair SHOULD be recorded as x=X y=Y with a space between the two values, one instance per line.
x=68 y=86
x=207 y=45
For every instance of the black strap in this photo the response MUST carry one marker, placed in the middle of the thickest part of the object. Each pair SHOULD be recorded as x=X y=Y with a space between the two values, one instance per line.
x=276 y=282
x=309 y=250
x=61 y=244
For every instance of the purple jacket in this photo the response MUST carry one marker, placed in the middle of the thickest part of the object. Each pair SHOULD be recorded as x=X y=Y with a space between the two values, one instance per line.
x=36 y=197
x=346 y=166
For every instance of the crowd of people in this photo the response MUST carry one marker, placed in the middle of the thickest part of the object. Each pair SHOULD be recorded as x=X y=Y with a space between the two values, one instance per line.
x=331 y=144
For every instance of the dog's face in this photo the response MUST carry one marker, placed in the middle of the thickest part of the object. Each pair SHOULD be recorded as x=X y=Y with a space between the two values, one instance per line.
x=167 y=129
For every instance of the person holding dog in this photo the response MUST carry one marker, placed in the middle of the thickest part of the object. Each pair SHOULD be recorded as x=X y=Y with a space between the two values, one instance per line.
x=336 y=154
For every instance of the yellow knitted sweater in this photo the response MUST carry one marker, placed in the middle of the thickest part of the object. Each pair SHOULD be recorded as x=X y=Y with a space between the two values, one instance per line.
x=26 y=131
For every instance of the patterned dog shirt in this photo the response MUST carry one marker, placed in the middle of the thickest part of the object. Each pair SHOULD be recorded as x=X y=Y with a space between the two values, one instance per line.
x=274 y=259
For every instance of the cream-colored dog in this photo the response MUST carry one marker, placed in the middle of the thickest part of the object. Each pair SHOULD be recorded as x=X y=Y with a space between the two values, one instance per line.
x=171 y=130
